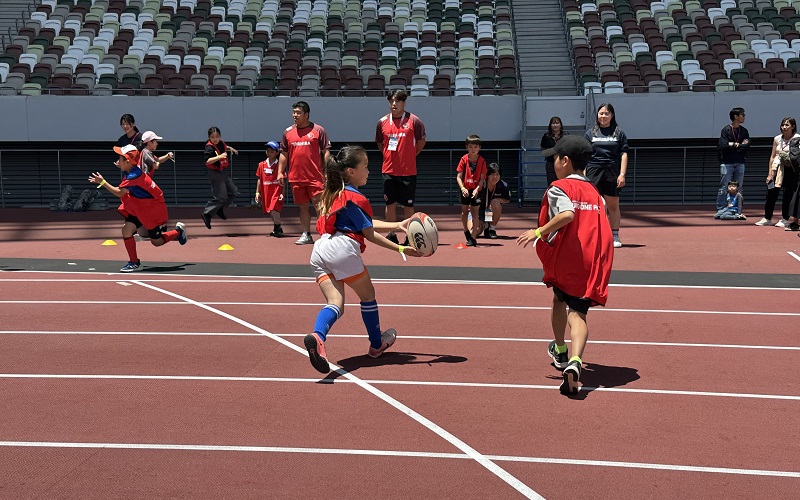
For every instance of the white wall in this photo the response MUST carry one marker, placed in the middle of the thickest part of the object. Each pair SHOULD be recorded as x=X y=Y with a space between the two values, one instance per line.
x=256 y=119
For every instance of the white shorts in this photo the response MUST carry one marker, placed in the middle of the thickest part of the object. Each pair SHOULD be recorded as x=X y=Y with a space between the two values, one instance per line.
x=337 y=256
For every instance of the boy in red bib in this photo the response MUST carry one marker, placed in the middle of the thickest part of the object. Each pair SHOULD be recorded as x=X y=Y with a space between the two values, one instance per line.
x=269 y=189
x=471 y=178
x=576 y=248
x=141 y=203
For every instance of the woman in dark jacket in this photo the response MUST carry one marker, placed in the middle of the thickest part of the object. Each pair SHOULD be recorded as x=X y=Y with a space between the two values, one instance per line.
x=555 y=131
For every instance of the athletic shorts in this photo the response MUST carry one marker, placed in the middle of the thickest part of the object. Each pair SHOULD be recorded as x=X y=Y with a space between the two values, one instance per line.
x=604 y=179
x=472 y=201
x=400 y=189
x=154 y=233
x=337 y=256
x=303 y=192
x=574 y=303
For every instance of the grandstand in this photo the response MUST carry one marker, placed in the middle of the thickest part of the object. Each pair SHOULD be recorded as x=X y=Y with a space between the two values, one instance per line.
x=499 y=68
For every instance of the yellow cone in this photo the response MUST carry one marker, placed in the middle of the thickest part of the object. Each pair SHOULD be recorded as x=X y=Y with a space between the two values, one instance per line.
x=109 y=243
x=225 y=247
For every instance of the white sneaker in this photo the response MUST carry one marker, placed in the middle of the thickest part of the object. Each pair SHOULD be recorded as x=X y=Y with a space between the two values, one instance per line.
x=782 y=223
x=305 y=239
x=764 y=222
x=617 y=242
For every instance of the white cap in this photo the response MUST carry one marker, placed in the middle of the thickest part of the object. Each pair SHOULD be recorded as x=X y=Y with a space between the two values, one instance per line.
x=150 y=136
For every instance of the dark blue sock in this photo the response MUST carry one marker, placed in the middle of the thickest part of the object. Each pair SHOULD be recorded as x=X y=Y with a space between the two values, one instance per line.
x=325 y=319
x=369 y=313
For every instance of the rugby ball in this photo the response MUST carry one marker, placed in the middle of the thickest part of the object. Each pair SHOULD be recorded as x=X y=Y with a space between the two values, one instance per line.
x=422 y=234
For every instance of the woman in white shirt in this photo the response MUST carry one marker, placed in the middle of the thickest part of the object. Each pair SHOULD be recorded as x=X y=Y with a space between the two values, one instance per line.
x=781 y=175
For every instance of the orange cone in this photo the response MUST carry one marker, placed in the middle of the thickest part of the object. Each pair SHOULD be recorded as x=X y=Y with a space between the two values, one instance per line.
x=460 y=246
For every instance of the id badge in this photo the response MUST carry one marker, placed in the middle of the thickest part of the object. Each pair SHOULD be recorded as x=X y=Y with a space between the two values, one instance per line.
x=393 y=141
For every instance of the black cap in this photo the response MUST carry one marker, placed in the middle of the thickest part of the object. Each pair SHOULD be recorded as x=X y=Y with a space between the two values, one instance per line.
x=571 y=145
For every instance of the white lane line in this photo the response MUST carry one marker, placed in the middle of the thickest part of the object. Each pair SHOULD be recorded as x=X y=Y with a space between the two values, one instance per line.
x=797 y=257
x=398 y=453
x=483 y=385
x=209 y=278
x=447 y=436
x=414 y=337
x=415 y=306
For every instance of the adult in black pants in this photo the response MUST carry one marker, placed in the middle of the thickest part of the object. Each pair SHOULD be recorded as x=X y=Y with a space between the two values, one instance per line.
x=217 y=155
x=555 y=131
x=781 y=176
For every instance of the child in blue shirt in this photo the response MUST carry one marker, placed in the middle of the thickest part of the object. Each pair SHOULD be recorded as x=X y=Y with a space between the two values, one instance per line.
x=733 y=204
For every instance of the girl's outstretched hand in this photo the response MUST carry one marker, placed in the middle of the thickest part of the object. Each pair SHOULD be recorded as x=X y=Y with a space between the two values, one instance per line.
x=96 y=178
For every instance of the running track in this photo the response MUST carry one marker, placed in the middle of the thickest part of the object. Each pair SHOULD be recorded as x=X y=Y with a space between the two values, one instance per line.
x=162 y=386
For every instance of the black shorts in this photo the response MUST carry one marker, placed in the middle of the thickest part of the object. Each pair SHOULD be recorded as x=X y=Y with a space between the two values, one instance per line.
x=472 y=201
x=574 y=303
x=400 y=189
x=604 y=179
x=154 y=233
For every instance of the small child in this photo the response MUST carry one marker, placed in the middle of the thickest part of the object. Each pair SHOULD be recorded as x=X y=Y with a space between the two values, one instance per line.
x=471 y=178
x=733 y=204
x=269 y=190
x=497 y=195
x=576 y=248
x=141 y=203
x=344 y=224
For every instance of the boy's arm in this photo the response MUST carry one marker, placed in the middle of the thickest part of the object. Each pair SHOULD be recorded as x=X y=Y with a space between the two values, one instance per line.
x=481 y=182
x=556 y=223
x=97 y=178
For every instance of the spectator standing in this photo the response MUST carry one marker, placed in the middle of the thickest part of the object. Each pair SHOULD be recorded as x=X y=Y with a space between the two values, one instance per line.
x=780 y=175
x=555 y=131
x=734 y=141
x=305 y=149
x=217 y=155
x=131 y=134
x=609 y=163
x=400 y=136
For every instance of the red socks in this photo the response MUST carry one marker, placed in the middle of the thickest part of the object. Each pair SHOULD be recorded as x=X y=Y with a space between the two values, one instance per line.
x=130 y=246
x=170 y=235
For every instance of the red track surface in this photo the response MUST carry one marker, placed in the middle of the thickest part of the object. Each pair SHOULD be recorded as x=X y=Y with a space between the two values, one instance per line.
x=98 y=379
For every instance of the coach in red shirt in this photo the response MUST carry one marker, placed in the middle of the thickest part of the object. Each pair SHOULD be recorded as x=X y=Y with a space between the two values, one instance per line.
x=305 y=148
x=400 y=136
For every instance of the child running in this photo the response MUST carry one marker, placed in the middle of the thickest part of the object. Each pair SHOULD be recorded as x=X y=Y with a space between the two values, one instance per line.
x=141 y=203
x=345 y=222
x=576 y=250
x=269 y=190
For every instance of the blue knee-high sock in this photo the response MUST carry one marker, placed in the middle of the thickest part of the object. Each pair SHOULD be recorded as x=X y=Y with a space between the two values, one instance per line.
x=369 y=313
x=325 y=319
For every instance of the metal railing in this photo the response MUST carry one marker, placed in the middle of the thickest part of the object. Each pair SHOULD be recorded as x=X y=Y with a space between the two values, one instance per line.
x=36 y=177
x=669 y=175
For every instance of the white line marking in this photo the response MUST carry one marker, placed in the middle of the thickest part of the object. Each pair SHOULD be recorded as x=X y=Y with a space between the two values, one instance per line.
x=415 y=337
x=447 y=436
x=214 y=278
x=483 y=385
x=123 y=283
x=398 y=453
x=415 y=306
x=794 y=255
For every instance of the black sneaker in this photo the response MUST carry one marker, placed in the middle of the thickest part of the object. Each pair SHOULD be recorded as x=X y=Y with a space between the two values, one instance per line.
x=471 y=242
x=393 y=238
x=559 y=360
x=405 y=242
x=492 y=234
x=487 y=233
x=221 y=214
x=206 y=220
x=572 y=375
x=277 y=232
